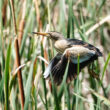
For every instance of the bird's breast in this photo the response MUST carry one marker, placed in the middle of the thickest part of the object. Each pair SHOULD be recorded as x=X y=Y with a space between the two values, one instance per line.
x=60 y=45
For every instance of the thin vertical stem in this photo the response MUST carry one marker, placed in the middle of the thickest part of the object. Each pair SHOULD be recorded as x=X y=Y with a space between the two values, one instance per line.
x=13 y=15
x=22 y=23
x=20 y=81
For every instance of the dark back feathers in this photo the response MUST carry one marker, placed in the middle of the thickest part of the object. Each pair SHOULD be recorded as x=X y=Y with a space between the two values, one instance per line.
x=82 y=43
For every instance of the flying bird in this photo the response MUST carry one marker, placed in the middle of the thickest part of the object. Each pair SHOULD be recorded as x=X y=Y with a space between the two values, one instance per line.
x=68 y=49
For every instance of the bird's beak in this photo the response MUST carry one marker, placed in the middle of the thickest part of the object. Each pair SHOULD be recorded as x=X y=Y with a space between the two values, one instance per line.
x=40 y=33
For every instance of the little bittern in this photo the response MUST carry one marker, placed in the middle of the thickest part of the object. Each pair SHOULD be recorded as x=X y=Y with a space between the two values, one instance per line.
x=68 y=49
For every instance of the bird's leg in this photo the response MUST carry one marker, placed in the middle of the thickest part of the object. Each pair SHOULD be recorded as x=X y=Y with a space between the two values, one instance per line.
x=92 y=73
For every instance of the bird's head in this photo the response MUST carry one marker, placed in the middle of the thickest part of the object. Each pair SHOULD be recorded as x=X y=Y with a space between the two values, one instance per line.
x=54 y=36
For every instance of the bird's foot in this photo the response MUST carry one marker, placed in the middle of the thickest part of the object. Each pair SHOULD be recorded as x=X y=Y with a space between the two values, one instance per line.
x=93 y=74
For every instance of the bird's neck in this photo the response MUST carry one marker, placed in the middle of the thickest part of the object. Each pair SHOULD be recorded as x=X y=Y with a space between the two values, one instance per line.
x=60 y=45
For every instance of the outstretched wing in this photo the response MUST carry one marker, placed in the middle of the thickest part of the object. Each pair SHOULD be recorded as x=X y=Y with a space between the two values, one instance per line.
x=72 y=42
x=57 y=68
x=58 y=65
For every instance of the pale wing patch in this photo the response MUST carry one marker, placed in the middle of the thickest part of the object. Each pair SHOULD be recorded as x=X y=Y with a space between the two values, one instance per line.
x=84 y=53
x=80 y=50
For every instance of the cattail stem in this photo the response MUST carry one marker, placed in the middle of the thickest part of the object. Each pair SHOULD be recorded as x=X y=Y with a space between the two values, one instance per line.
x=20 y=81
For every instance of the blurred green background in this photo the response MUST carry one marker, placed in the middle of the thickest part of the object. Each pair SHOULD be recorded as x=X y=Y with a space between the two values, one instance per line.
x=88 y=20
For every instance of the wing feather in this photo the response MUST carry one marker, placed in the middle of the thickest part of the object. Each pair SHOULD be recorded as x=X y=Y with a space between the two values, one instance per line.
x=72 y=42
